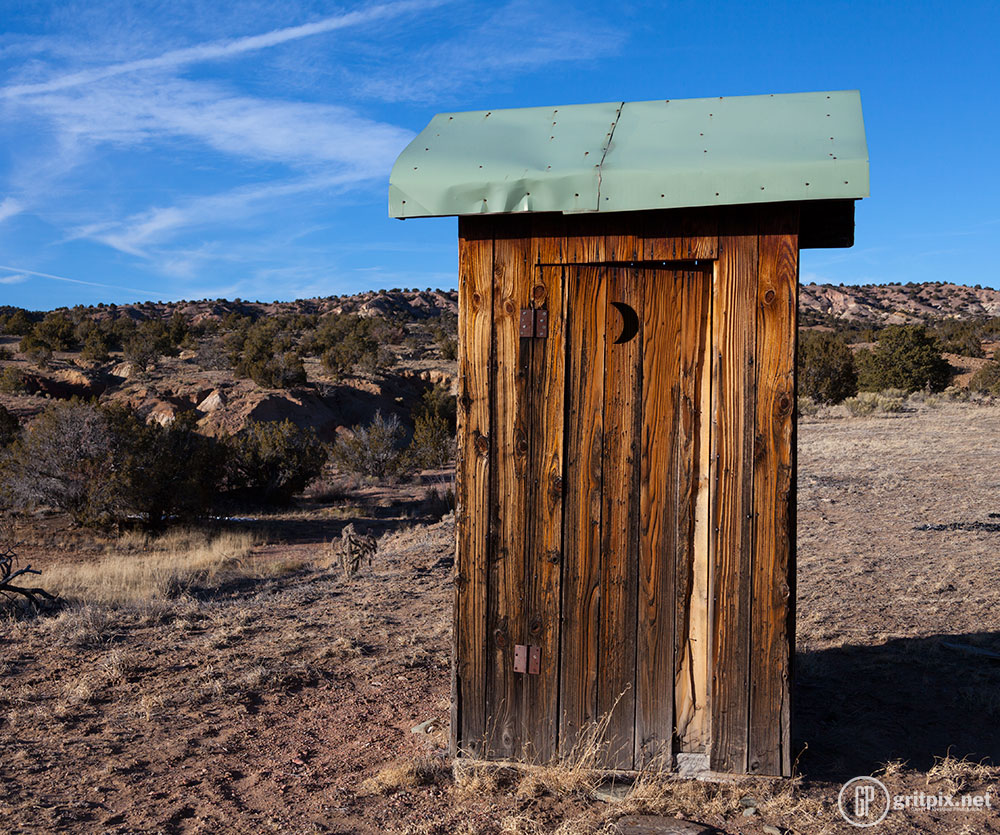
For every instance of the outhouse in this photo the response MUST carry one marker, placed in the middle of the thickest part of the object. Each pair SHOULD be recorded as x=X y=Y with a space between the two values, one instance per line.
x=628 y=280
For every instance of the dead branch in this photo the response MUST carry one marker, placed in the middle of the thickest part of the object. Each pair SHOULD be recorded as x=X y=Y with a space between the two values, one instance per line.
x=9 y=572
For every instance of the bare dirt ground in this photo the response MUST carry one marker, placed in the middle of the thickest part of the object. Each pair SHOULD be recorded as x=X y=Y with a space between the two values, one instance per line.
x=279 y=695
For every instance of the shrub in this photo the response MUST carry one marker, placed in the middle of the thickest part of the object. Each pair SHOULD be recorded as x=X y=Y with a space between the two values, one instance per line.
x=272 y=461
x=961 y=337
x=18 y=323
x=12 y=381
x=826 y=370
x=149 y=341
x=57 y=331
x=104 y=466
x=264 y=353
x=987 y=379
x=870 y=402
x=375 y=449
x=446 y=336
x=10 y=428
x=167 y=471
x=806 y=406
x=96 y=346
x=432 y=444
x=346 y=343
x=906 y=357
x=65 y=460
x=36 y=349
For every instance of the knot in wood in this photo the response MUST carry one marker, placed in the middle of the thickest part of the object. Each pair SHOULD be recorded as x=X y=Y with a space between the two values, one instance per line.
x=769 y=296
x=482 y=444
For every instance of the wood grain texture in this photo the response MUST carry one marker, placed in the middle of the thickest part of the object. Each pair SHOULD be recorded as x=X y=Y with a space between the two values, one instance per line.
x=773 y=548
x=691 y=650
x=586 y=308
x=620 y=527
x=546 y=388
x=678 y=236
x=510 y=425
x=661 y=361
x=472 y=487
x=734 y=334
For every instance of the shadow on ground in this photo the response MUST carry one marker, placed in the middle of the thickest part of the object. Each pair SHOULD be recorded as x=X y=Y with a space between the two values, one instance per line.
x=915 y=699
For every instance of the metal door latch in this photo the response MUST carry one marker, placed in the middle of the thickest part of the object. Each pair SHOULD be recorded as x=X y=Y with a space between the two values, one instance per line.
x=534 y=323
x=527 y=659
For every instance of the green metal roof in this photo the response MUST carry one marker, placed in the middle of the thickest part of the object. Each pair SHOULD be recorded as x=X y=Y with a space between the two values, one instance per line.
x=627 y=156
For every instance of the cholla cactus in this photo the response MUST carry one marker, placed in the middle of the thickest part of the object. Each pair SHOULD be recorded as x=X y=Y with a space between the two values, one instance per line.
x=355 y=547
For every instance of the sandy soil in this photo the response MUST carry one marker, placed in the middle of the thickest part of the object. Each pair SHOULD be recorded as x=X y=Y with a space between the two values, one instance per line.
x=284 y=703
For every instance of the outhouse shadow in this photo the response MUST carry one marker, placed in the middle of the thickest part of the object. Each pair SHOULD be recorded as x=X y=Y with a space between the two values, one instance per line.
x=915 y=699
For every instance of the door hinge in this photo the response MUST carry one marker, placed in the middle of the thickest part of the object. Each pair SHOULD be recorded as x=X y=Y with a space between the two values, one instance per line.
x=527 y=659
x=534 y=323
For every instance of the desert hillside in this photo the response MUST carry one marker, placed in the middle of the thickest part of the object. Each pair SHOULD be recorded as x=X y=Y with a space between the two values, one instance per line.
x=896 y=304
x=402 y=342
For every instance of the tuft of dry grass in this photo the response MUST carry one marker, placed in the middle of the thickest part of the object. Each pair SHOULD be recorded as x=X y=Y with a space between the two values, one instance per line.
x=961 y=774
x=140 y=569
x=403 y=774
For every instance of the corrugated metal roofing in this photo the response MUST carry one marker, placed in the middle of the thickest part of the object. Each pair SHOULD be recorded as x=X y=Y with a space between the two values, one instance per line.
x=626 y=156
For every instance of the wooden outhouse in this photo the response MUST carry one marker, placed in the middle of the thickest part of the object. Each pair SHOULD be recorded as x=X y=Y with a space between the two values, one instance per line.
x=626 y=480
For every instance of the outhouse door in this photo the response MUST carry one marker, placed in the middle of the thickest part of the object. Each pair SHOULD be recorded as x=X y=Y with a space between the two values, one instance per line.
x=598 y=629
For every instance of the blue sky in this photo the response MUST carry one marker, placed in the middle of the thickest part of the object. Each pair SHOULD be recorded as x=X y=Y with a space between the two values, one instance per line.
x=193 y=149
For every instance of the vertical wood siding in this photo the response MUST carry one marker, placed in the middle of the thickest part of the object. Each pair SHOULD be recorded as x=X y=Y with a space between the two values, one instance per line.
x=661 y=598
x=475 y=362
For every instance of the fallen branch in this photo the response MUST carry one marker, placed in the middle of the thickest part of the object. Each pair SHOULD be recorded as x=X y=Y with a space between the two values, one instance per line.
x=8 y=559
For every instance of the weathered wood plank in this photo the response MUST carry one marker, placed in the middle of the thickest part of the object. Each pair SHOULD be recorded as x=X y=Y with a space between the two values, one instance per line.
x=691 y=609
x=661 y=353
x=586 y=311
x=547 y=386
x=509 y=471
x=734 y=333
x=772 y=555
x=475 y=288
x=620 y=527
x=622 y=238
x=690 y=234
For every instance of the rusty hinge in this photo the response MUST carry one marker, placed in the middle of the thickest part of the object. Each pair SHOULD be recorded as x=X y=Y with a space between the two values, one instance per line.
x=534 y=323
x=527 y=659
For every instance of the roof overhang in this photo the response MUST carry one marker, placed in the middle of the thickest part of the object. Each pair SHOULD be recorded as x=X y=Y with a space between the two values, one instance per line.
x=634 y=156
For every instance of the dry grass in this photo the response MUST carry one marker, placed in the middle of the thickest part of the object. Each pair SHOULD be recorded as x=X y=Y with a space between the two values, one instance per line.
x=961 y=775
x=404 y=774
x=139 y=569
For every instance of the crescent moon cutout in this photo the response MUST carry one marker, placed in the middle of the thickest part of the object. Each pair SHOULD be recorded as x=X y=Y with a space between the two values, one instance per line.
x=630 y=322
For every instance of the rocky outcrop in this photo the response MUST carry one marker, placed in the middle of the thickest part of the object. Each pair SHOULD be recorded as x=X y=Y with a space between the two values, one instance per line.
x=213 y=402
x=897 y=304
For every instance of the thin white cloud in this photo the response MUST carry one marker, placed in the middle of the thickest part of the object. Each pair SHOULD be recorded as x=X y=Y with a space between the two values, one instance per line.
x=17 y=278
x=10 y=207
x=25 y=273
x=129 y=112
x=519 y=36
x=221 y=49
x=136 y=235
